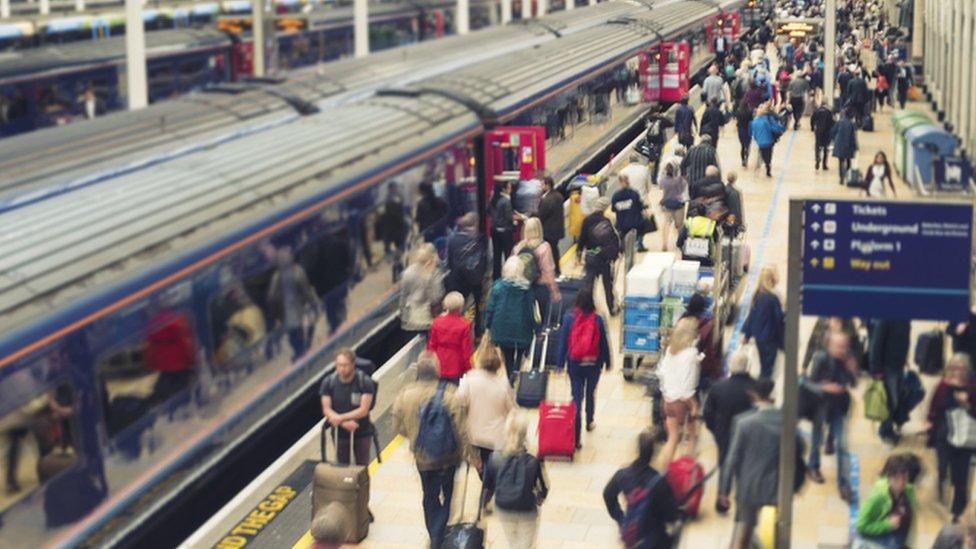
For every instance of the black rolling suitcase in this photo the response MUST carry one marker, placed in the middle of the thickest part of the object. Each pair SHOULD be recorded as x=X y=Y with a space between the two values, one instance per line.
x=929 y=352
x=465 y=535
x=568 y=288
x=532 y=383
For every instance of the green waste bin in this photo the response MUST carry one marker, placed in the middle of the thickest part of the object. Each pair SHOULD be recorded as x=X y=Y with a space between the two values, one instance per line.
x=903 y=121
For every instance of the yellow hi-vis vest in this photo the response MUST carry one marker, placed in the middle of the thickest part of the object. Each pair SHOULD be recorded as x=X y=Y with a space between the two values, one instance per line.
x=700 y=227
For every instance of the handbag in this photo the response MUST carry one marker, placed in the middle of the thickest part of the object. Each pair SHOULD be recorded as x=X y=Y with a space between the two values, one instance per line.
x=962 y=428
x=650 y=224
x=672 y=204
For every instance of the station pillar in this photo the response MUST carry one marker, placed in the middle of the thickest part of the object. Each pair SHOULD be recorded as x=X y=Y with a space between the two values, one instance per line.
x=830 y=51
x=463 y=17
x=360 y=27
x=45 y=7
x=135 y=56
x=506 y=11
x=4 y=9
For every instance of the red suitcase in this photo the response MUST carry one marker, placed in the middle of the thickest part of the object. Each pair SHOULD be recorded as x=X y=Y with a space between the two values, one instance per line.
x=686 y=477
x=557 y=432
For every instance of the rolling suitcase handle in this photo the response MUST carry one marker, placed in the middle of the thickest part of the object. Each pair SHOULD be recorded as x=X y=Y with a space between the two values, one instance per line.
x=464 y=495
x=335 y=440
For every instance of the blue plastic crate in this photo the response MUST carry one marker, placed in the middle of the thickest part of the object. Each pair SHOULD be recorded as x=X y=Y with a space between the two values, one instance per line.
x=642 y=301
x=643 y=318
x=641 y=340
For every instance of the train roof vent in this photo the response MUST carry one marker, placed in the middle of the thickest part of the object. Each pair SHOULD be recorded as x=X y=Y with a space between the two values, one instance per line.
x=266 y=79
x=300 y=105
x=228 y=88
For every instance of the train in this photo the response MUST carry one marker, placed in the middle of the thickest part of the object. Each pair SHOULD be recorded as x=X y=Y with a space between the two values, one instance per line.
x=144 y=330
x=97 y=150
x=58 y=83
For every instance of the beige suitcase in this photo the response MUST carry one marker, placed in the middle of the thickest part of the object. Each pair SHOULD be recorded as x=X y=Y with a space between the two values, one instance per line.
x=347 y=485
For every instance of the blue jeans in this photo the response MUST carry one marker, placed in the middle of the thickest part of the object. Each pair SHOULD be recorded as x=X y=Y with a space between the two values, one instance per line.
x=438 y=487
x=836 y=427
x=542 y=298
x=885 y=541
x=583 y=380
x=767 y=357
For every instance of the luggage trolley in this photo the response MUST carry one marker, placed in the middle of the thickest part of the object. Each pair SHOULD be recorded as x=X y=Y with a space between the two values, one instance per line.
x=655 y=298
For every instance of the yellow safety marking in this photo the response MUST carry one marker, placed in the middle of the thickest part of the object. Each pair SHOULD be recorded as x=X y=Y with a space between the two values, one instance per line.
x=306 y=540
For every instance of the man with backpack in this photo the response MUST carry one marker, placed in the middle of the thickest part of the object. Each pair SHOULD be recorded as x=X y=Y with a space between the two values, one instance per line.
x=427 y=413
x=654 y=138
x=598 y=247
x=348 y=394
x=629 y=209
x=650 y=503
x=467 y=262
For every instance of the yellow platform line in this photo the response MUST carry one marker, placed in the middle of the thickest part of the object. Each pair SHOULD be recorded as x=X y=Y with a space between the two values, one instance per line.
x=306 y=540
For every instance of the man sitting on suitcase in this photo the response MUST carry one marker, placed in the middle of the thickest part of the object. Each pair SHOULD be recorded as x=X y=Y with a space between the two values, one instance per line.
x=428 y=413
x=347 y=398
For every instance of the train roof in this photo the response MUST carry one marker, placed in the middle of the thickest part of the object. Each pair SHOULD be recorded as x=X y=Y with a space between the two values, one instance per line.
x=92 y=150
x=18 y=64
x=58 y=251
x=500 y=88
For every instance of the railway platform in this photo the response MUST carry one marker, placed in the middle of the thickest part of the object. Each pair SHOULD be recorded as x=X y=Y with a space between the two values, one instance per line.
x=574 y=514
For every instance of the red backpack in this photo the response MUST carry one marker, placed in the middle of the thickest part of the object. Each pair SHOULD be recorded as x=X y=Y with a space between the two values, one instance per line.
x=584 y=337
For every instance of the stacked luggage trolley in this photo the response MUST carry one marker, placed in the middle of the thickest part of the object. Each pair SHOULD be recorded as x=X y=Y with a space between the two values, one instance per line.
x=656 y=291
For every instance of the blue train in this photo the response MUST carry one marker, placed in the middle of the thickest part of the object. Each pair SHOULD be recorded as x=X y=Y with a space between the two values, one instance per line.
x=153 y=321
x=58 y=83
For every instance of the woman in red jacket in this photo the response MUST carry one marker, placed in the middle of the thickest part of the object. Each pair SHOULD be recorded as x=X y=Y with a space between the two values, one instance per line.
x=955 y=389
x=450 y=339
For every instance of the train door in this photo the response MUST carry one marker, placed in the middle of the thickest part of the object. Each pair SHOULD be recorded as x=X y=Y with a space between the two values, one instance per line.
x=674 y=60
x=513 y=153
x=649 y=66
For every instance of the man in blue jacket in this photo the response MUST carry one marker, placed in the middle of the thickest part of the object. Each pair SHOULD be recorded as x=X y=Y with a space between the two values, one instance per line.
x=629 y=209
x=766 y=129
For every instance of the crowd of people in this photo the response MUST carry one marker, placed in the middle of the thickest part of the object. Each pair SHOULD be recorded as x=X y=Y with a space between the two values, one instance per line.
x=481 y=320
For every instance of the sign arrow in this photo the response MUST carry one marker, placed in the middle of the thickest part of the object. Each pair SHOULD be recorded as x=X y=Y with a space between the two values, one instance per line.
x=815 y=226
x=815 y=262
x=815 y=244
x=815 y=208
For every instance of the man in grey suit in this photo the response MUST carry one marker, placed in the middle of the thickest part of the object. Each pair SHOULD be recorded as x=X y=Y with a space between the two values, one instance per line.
x=753 y=461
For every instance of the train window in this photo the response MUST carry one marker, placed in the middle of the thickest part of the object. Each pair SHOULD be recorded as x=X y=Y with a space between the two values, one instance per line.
x=13 y=106
x=192 y=67
x=160 y=73
x=38 y=438
x=148 y=362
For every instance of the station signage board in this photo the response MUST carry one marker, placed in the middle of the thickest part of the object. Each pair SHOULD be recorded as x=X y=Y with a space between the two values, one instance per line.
x=887 y=259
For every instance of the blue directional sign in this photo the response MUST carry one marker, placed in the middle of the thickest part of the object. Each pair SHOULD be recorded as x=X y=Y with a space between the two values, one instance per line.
x=883 y=259
x=952 y=174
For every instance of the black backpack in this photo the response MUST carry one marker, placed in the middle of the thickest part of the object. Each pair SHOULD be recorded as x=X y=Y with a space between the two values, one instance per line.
x=603 y=235
x=515 y=482
x=469 y=260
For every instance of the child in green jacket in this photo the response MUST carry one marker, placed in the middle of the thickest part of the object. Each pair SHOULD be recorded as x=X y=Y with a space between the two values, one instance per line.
x=887 y=515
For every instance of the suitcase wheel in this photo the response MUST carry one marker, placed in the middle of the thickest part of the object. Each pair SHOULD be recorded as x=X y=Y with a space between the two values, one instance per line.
x=628 y=368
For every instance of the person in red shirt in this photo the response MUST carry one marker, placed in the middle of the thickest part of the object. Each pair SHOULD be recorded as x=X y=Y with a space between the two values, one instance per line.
x=450 y=339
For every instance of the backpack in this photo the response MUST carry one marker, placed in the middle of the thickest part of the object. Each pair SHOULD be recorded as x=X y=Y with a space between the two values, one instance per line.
x=654 y=130
x=530 y=265
x=638 y=510
x=515 y=482
x=435 y=436
x=471 y=263
x=584 y=337
x=876 y=401
x=603 y=236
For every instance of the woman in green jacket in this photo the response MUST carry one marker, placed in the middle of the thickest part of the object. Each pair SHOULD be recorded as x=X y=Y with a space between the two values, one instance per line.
x=510 y=315
x=887 y=515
